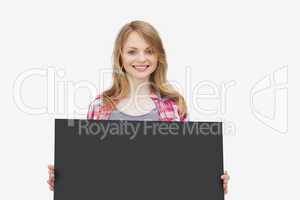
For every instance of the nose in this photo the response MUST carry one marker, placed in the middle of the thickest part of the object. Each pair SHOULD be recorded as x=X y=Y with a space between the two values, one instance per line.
x=141 y=57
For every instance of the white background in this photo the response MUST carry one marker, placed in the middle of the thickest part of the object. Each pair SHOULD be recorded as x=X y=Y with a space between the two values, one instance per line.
x=215 y=42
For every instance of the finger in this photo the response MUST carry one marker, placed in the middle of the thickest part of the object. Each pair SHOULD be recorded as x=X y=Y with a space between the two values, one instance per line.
x=225 y=177
x=50 y=172
x=225 y=174
x=225 y=188
x=51 y=167
x=51 y=175
x=51 y=184
x=225 y=181
x=51 y=178
x=225 y=191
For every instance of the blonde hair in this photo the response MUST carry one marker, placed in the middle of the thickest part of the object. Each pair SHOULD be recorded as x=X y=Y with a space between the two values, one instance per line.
x=158 y=80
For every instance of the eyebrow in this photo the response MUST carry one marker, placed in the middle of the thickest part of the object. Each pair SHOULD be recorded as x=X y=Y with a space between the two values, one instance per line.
x=137 y=48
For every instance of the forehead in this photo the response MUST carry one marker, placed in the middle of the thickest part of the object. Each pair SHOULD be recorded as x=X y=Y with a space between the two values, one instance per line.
x=136 y=40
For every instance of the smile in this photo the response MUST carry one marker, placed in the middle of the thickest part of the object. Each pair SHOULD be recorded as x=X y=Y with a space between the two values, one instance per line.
x=140 y=68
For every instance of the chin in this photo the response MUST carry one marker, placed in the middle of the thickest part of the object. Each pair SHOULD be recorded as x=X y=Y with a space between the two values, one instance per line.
x=141 y=77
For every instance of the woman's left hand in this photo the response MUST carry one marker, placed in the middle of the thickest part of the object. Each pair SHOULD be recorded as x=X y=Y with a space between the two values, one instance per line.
x=225 y=178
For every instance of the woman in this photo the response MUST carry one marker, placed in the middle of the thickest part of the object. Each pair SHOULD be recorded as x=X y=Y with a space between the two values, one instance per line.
x=140 y=90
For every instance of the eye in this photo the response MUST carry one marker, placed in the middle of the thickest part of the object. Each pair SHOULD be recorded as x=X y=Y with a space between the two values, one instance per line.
x=149 y=51
x=131 y=52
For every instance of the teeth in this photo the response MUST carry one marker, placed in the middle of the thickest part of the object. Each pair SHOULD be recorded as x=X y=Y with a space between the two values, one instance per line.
x=140 y=66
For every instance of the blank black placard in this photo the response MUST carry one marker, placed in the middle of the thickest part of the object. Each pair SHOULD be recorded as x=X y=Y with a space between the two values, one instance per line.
x=135 y=160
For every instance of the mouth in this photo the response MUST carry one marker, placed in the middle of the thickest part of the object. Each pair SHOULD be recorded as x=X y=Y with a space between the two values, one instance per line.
x=140 y=68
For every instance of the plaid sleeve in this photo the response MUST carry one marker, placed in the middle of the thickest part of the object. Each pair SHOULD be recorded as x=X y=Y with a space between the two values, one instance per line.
x=94 y=108
x=184 y=118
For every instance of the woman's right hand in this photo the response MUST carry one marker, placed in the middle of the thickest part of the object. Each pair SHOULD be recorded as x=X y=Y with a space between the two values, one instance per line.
x=51 y=179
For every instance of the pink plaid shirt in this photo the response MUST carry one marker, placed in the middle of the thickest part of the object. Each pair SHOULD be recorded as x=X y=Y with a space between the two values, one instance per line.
x=167 y=109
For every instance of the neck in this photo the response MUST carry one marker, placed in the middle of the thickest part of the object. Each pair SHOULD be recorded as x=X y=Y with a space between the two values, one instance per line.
x=138 y=87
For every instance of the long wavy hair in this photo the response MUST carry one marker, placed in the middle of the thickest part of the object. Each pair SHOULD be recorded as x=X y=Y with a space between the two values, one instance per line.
x=158 y=78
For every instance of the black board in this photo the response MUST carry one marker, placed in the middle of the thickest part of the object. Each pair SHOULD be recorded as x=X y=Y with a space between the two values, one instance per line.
x=136 y=160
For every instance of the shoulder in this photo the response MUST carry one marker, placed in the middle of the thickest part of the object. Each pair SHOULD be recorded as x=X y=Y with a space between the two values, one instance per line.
x=97 y=102
x=95 y=107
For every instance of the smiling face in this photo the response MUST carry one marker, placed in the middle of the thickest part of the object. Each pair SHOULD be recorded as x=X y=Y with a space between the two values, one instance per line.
x=138 y=57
